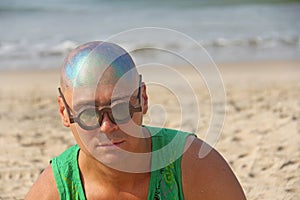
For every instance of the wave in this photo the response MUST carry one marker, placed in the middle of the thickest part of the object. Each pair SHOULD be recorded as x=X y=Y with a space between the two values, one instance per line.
x=255 y=42
x=21 y=49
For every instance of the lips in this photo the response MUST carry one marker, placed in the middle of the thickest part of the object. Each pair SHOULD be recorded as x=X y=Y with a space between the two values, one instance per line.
x=117 y=143
x=111 y=144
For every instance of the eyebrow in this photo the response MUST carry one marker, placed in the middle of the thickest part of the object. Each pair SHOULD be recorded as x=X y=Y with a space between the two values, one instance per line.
x=79 y=104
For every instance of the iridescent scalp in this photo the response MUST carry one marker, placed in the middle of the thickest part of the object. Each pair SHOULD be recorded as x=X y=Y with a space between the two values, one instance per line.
x=86 y=64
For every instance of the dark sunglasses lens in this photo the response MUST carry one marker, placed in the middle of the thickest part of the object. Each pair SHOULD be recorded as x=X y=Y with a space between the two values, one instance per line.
x=121 y=113
x=89 y=118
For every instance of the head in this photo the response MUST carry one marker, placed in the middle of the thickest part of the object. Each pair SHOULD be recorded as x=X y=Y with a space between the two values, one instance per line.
x=98 y=79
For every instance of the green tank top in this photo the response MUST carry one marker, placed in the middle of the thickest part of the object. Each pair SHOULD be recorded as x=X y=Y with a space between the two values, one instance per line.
x=165 y=179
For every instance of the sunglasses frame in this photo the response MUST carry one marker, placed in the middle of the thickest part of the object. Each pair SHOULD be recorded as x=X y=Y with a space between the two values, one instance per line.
x=76 y=119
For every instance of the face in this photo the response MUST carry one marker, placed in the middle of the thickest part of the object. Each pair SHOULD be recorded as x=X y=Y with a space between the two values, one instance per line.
x=110 y=143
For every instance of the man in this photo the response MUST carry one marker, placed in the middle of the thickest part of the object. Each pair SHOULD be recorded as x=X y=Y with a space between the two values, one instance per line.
x=102 y=100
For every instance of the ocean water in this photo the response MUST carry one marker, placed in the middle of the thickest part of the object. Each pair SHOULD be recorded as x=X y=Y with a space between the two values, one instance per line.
x=37 y=34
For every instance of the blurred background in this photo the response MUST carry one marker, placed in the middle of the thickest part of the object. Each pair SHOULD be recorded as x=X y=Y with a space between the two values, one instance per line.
x=37 y=34
x=256 y=44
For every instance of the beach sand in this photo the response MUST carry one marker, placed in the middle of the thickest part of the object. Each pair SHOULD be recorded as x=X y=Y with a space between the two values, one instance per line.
x=260 y=137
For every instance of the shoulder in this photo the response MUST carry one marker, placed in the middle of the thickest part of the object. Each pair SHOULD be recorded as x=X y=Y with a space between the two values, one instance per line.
x=206 y=175
x=44 y=187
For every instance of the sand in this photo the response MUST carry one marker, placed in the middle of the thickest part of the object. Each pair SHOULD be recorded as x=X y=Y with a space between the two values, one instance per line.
x=260 y=137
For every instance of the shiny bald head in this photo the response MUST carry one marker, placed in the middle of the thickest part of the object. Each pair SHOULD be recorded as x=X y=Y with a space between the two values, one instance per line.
x=96 y=63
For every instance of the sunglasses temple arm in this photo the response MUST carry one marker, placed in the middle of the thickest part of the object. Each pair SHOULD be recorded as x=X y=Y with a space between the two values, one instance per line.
x=139 y=92
x=71 y=118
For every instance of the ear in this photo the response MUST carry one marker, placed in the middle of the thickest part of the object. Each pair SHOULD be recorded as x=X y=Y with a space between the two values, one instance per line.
x=63 y=112
x=144 y=99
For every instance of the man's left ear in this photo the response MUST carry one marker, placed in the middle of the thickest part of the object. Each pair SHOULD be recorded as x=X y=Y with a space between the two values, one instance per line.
x=144 y=99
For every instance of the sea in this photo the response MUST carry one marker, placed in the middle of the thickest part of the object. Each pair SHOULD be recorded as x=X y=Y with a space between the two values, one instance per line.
x=37 y=34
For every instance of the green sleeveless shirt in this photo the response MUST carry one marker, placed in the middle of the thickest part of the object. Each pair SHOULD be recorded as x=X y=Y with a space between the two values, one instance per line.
x=165 y=179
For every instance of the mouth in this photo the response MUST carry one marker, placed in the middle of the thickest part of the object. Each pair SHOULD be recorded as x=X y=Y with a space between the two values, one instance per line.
x=112 y=144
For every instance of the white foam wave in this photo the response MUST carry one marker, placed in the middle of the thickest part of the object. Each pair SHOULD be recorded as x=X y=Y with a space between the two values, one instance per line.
x=22 y=50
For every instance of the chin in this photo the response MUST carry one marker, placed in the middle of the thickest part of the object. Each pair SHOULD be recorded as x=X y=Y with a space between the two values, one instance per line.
x=110 y=157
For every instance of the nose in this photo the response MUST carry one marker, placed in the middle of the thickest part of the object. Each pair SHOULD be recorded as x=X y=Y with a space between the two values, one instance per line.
x=107 y=126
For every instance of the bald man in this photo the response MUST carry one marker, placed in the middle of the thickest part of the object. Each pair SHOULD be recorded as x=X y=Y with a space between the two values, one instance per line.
x=102 y=99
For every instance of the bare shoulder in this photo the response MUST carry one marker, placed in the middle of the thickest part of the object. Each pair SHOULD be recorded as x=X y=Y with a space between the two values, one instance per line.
x=44 y=187
x=207 y=176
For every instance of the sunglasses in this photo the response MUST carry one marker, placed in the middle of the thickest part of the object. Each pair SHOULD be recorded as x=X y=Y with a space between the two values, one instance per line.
x=91 y=118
